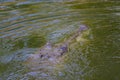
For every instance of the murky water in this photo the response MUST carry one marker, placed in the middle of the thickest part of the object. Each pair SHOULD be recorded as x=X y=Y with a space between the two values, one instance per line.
x=28 y=25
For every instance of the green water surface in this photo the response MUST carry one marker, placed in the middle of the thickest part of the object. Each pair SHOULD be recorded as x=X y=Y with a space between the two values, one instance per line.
x=27 y=25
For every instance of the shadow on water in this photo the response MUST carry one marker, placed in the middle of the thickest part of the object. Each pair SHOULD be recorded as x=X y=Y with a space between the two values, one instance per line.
x=27 y=26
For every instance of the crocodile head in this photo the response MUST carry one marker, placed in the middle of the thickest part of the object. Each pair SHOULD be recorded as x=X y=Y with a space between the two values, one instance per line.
x=83 y=27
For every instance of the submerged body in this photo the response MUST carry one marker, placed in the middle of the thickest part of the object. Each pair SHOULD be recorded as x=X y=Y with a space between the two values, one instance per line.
x=51 y=52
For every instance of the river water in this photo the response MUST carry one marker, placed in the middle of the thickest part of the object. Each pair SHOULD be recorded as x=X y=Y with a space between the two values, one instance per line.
x=26 y=25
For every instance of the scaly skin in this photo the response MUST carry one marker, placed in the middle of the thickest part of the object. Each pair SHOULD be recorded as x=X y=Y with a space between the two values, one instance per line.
x=49 y=51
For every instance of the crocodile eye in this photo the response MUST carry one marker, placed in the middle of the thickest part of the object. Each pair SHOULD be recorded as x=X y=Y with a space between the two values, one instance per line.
x=41 y=56
x=61 y=54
